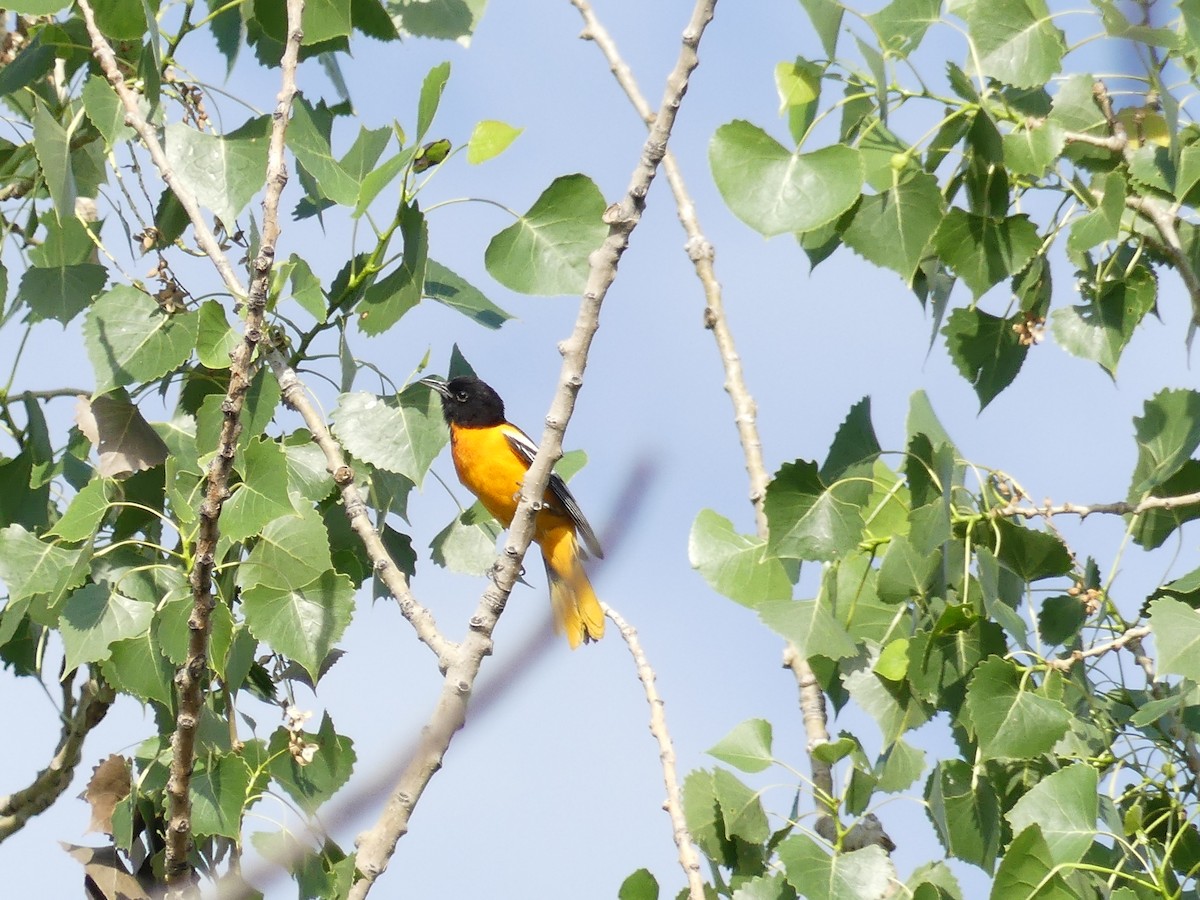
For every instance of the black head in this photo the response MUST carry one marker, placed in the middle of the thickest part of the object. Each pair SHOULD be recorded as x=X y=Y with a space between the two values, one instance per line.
x=468 y=402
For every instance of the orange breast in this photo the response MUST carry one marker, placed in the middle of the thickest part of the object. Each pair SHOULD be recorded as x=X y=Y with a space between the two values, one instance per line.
x=489 y=468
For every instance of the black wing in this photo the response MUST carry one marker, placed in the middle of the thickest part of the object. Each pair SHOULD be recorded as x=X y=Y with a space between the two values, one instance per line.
x=527 y=449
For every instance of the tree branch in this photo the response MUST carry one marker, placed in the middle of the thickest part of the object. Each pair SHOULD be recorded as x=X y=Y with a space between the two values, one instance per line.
x=189 y=680
x=745 y=412
x=376 y=845
x=1131 y=637
x=296 y=397
x=1120 y=508
x=79 y=717
x=688 y=858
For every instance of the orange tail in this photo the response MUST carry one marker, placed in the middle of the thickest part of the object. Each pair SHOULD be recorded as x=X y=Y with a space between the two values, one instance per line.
x=576 y=609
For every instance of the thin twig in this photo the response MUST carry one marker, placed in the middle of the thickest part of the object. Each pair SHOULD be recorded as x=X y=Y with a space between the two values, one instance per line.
x=1132 y=636
x=745 y=412
x=79 y=717
x=377 y=844
x=701 y=253
x=688 y=858
x=1120 y=508
x=295 y=396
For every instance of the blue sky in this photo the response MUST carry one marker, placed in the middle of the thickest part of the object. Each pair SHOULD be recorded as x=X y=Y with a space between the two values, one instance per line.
x=556 y=790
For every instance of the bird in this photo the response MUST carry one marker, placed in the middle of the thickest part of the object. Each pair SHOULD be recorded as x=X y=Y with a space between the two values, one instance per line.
x=491 y=457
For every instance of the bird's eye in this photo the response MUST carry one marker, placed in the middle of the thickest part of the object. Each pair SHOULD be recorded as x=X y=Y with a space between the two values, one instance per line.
x=461 y=396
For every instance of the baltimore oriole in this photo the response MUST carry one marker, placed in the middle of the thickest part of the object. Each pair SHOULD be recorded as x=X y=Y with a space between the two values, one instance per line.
x=491 y=457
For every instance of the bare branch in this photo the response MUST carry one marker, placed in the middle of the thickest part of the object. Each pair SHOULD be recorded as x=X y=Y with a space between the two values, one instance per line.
x=79 y=717
x=1163 y=219
x=1120 y=508
x=190 y=678
x=1131 y=637
x=745 y=412
x=688 y=857
x=421 y=619
x=376 y=845
x=701 y=253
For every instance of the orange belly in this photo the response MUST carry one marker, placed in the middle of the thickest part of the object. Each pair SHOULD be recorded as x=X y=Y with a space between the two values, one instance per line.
x=490 y=470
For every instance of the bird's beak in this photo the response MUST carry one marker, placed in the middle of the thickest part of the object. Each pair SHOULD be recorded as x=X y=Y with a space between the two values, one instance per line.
x=436 y=384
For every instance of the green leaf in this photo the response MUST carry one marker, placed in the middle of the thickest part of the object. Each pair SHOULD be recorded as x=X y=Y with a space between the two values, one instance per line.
x=215 y=340
x=1010 y=720
x=95 y=617
x=641 y=885
x=741 y=808
x=309 y=140
x=1028 y=871
x=1030 y=554
x=62 y=292
x=324 y=20
x=303 y=623
x=892 y=663
x=1167 y=435
x=901 y=25
x=986 y=350
x=1015 y=41
x=546 y=250
x=450 y=290
x=330 y=768
x=130 y=339
x=965 y=813
x=468 y=544
x=853 y=445
x=306 y=288
x=431 y=95
x=1060 y=619
x=812 y=871
x=1103 y=223
x=29 y=566
x=893 y=229
x=1065 y=805
x=222 y=172
x=53 y=147
x=982 y=250
x=219 y=789
x=775 y=191
x=489 y=139
x=826 y=16
x=380 y=177
x=808 y=520
x=1032 y=149
x=899 y=767
x=402 y=436
x=138 y=667
x=797 y=83
x=400 y=290
x=809 y=625
x=736 y=565
x=1102 y=329
x=263 y=493
x=86 y=511
x=1176 y=628
x=894 y=707
x=905 y=572
x=292 y=552
x=747 y=746
x=106 y=110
